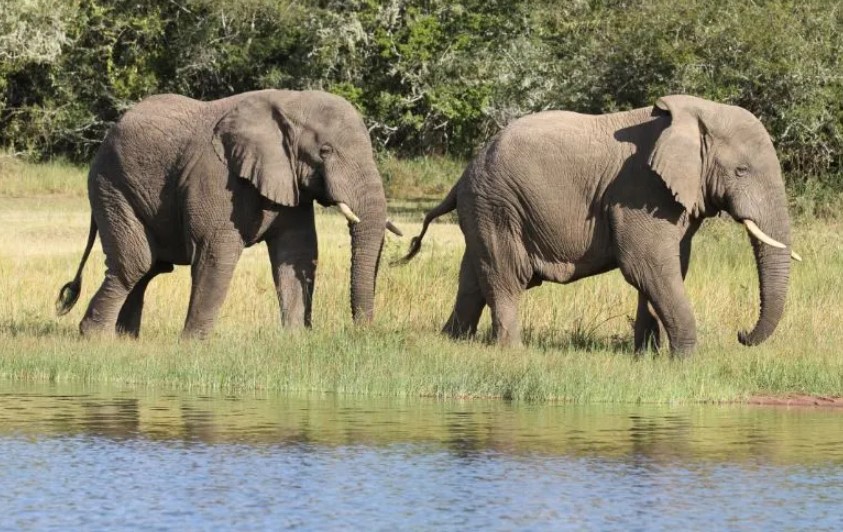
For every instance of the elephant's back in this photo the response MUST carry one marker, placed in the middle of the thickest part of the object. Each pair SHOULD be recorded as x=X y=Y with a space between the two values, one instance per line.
x=546 y=155
x=158 y=121
x=149 y=144
x=538 y=179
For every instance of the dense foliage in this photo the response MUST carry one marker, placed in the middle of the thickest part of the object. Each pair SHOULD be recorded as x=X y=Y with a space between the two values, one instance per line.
x=431 y=76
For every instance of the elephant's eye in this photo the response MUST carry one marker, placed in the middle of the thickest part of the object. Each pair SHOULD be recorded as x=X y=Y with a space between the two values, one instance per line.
x=741 y=170
x=326 y=150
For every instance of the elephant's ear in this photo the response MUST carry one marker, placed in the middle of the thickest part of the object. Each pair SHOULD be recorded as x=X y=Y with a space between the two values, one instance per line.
x=253 y=140
x=677 y=155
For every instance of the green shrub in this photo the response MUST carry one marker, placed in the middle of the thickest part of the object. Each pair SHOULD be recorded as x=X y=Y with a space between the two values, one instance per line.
x=430 y=76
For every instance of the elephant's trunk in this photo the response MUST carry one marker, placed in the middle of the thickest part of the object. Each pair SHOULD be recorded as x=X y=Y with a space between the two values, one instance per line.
x=773 y=273
x=367 y=238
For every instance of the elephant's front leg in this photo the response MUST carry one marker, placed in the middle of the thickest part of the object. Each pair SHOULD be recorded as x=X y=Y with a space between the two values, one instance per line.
x=293 y=254
x=647 y=330
x=660 y=279
x=648 y=251
x=211 y=272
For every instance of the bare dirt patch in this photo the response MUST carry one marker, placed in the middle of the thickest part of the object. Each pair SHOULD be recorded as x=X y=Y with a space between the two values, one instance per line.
x=796 y=400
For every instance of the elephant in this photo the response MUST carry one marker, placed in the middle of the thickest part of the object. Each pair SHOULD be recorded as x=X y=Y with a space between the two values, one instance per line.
x=179 y=181
x=558 y=196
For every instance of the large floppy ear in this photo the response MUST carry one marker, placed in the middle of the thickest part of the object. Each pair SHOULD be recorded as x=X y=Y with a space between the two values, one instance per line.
x=253 y=139
x=677 y=156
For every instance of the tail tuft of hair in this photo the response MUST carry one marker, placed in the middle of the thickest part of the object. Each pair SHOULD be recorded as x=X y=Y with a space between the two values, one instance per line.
x=415 y=247
x=447 y=205
x=68 y=296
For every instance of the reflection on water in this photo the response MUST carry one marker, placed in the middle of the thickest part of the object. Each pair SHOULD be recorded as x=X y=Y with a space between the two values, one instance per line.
x=136 y=458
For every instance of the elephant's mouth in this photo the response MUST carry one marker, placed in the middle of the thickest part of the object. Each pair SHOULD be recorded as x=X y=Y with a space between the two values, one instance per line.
x=348 y=213
x=352 y=218
x=756 y=232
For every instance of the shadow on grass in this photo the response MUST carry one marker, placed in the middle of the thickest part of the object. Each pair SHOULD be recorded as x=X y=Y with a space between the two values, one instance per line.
x=543 y=339
x=584 y=335
x=37 y=328
x=578 y=340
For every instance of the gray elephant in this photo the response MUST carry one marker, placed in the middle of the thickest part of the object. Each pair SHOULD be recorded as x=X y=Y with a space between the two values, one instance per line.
x=179 y=181
x=558 y=196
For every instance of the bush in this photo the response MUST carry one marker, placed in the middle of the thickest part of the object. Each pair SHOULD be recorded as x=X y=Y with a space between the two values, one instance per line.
x=432 y=76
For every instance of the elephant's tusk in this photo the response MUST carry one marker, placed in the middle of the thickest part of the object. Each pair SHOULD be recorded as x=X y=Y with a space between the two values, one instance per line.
x=348 y=213
x=795 y=256
x=393 y=228
x=761 y=235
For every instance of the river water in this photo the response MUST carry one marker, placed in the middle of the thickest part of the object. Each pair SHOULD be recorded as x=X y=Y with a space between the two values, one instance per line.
x=99 y=459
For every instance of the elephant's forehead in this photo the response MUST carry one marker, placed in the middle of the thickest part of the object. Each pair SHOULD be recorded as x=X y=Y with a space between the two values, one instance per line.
x=749 y=138
x=334 y=114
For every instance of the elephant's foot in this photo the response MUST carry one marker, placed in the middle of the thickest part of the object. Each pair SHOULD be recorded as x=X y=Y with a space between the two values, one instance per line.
x=647 y=338
x=193 y=331
x=510 y=343
x=646 y=328
x=459 y=329
x=128 y=332
x=295 y=306
x=506 y=327
x=507 y=335
x=683 y=340
x=90 y=327
x=681 y=352
x=103 y=310
x=128 y=322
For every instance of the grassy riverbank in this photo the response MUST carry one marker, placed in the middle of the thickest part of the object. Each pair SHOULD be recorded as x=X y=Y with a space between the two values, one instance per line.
x=578 y=337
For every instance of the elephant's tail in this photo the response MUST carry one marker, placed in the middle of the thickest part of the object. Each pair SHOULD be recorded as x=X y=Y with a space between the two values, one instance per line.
x=69 y=293
x=447 y=205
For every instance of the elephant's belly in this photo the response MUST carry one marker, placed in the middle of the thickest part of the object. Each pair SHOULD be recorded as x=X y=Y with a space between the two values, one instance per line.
x=170 y=245
x=172 y=255
x=568 y=272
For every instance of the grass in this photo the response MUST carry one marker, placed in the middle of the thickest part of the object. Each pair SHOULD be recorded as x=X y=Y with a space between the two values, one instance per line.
x=577 y=337
x=19 y=179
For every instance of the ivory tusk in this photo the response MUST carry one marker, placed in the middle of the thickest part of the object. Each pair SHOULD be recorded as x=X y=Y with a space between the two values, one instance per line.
x=795 y=256
x=393 y=228
x=760 y=235
x=348 y=213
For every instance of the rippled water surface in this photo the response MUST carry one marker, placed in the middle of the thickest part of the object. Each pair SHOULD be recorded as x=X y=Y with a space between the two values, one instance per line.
x=103 y=459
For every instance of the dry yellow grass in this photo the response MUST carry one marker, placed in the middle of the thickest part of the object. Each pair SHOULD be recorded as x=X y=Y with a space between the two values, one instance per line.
x=578 y=337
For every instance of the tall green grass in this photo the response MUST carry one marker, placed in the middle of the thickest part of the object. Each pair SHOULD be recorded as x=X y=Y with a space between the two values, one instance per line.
x=21 y=179
x=577 y=337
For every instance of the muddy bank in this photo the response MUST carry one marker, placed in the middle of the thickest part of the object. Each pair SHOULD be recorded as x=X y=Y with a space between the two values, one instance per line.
x=796 y=400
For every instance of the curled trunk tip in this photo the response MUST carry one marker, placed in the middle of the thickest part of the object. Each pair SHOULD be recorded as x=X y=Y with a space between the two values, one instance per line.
x=773 y=266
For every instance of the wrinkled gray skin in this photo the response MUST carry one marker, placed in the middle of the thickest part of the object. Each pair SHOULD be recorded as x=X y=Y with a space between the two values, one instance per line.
x=179 y=181
x=558 y=196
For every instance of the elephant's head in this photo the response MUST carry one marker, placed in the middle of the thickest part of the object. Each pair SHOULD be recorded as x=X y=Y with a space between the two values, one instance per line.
x=298 y=146
x=715 y=157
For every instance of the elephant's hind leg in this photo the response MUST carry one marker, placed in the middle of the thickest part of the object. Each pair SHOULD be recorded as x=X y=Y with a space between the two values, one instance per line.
x=506 y=328
x=469 y=304
x=128 y=257
x=129 y=319
x=103 y=310
x=502 y=285
x=211 y=273
x=647 y=331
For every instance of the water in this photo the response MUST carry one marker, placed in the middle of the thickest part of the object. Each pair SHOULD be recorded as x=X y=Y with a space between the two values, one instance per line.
x=76 y=458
